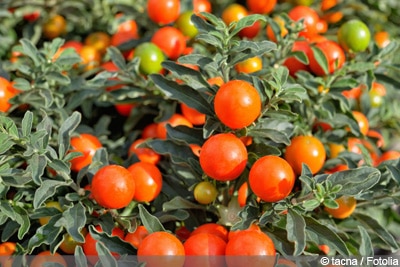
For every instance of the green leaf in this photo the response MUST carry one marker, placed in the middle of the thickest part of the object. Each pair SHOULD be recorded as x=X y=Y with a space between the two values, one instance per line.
x=45 y=234
x=105 y=256
x=22 y=84
x=112 y=243
x=179 y=202
x=193 y=77
x=58 y=77
x=6 y=143
x=326 y=235
x=247 y=21
x=178 y=153
x=296 y=233
x=26 y=125
x=366 y=248
x=116 y=57
x=46 y=190
x=37 y=165
x=375 y=227
x=355 y=181
x=66 y=129
x=149 y=221
x=185 y=134
x=274 y=135
x=182 y=93
x=300 y=56
x=80 y=257
x=30 y=50
x=320 y=58
x=248 y=49
x=75 y=220
x=22 y=218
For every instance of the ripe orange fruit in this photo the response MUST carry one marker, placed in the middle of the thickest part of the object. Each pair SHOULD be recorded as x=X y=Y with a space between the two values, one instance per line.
x=275 y=184
x=170 y=40
x=7 y=92
x=254 y=244
x=201 y=6
x=237 y=104
x=46 y=256
x=347 y=205
x=233 y=13
x=99 y=40
x=249 y=65
x=214 y=229
x=382 y=38
x=113 y=187
x=388 y=155
x=87 y=144
x=261 y=7
x=148 y=181
x=157 y=249
x=308 y=150
x=174 y=120
x=54 y=27
x=362 y=121
x=7 y=248
x=201 y=246
x=163 y=11
x=223 y=157
x=144 y=154
x=90 y=56
x=126 y=31
x=136 y=237
x=194 y=116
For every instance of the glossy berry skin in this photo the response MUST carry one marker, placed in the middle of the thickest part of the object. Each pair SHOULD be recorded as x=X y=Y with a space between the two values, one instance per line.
x=237 y=104
x=271 y=178
x=161 y=249
x=87 y=144
x=223 y=157
x=113 y=187
x=163 y=11
x=151 y=57
x=148 y=181
x=308 y=150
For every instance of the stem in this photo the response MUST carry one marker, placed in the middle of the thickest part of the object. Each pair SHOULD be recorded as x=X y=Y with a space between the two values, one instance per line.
x=128 y=209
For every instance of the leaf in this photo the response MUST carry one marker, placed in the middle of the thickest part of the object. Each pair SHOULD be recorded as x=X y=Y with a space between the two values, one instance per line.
x=30 y=50
x=117 y=57
x=247 y=21
x=45 y=234
x=375 y=227
x=66 y=129
x=58 y=77
x=185 y=134
x=46 y=190
x=37 y=165
x=193 y=77
x=182 y=93
x=6 y=143
x=178 y=153
x=274 y=135
x=326 y=235
x=26 y=125
x=112 y=243
x=300 y=56
x=320 y=58
x=22 y=84
x=149 y=221
x=366 y=248
x=80 y=257
x=179 y=202
x=248 y=49
x=295 y=227
x=355 y=181
x=105 y=256
x=75 y=220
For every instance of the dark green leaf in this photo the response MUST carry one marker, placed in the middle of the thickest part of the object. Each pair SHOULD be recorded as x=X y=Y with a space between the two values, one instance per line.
x=178 y=153
x=326 y=235
x=58 y=77
x=375 y=227
x=22 y=84
x=320 y=58
x=6 y=143
x=112 y=243
x=247 y=21
x=75 y=220
x=193 y=77
x=46 y=190
x=179 y=202
x=355 y=181
x=117 y=57
x=300 y=56
x=366 y=248
x=45 y=234
x=26 y=125
x=37 y=165
x=105 y=256
x=66 y=129
x=149 y=221
x=182 y=93
x=30 y=50
x=80 y=257
x=185 y=134
x=296 y=233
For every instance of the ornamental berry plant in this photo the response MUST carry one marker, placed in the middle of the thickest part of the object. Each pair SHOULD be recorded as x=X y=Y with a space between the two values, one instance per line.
x=191 y=127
